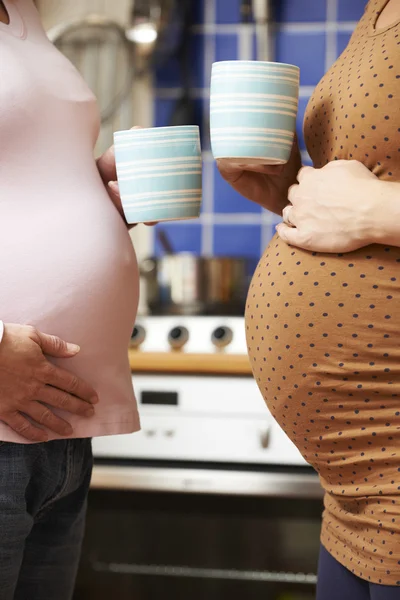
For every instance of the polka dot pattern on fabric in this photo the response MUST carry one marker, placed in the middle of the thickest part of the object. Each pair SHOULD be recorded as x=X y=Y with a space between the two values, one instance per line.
x=323 y=329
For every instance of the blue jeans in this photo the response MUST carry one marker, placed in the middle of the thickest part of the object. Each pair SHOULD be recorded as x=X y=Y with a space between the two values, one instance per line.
x=43 y=492
x=335 y=582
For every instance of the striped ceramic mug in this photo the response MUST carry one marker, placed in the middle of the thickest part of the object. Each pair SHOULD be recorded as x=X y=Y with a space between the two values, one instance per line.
x=159 y=173
x=253 y=111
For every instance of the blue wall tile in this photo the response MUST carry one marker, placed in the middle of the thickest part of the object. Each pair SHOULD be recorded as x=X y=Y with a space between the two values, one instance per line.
x=207 y=203
x=301 y=10
x=237 y=240
x=205 y=129
x=343 y=39
x=351 y=10
x=164 y=108
x=197 y=60
x=228 y=11
x=198 y=11
x=227 y=200
x=269 y=230
x=198 y=111
x=184 y=237
x=226 y=47
x=168 y=75
x=304 y=45
x=300 y=119
x=163 y=111
x=306 y=50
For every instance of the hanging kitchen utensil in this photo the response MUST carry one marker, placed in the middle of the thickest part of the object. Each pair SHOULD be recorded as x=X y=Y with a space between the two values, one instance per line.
x=144 y=30
x=262 y=12
x=164 y=240
x=170 y=33
x=246 y=31
x=184 y=111
x=246 y=11
x=101 y=51
x=156 y=28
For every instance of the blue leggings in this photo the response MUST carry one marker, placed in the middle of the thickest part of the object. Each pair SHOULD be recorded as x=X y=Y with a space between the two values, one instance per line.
x=335 y=582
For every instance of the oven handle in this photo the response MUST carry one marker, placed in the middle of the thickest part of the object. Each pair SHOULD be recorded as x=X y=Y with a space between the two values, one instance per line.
x=207 y=481
x=199 y=573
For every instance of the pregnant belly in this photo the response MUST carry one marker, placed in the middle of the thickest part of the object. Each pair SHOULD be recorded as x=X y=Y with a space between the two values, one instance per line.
x=322 y=335
x=71 y=271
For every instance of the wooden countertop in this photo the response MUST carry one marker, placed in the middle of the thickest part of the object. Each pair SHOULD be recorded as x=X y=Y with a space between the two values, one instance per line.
x=180 y=362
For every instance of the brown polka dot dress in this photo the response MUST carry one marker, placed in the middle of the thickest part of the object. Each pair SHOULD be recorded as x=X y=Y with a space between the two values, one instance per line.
x=323 y=330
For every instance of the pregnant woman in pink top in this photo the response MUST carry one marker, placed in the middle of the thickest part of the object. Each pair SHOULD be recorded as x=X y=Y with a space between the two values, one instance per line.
x=68 y=300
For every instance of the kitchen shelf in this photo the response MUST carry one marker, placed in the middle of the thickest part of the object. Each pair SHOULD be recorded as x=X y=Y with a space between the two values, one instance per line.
x=180 y=362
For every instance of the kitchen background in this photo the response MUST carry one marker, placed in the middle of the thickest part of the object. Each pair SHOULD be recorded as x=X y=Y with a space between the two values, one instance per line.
x=210 y=500
x=308 y=33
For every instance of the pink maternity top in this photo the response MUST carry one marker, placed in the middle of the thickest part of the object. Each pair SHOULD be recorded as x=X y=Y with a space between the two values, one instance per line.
x=67 y=265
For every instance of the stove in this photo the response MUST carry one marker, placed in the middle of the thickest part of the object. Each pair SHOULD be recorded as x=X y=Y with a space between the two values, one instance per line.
x=210 y=499
x=198 y=418
x=197 y=335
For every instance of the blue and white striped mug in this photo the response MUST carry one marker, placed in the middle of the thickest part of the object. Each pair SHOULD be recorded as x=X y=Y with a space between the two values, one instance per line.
x=159 y=173
x=253 y=111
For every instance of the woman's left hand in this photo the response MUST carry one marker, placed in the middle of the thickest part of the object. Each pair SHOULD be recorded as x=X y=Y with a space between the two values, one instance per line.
x=108 y=172
x=332 y=209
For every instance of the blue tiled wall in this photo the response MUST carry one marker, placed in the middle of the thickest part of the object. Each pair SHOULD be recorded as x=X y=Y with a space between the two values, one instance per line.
x=309 y=33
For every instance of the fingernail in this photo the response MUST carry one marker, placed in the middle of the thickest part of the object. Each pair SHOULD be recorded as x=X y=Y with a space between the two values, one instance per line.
x=113 y=185
x=68 y=430
x=73 y=348
x=94 y=400
x=89 y=412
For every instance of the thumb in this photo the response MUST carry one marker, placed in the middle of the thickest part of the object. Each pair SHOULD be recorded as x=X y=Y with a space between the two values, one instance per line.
x=106 y=165
x=230 y=172
x=55 y=346
x=114 y=188
x=290 y=235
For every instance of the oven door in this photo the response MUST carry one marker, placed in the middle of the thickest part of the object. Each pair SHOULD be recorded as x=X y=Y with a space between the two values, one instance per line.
x=155 y=531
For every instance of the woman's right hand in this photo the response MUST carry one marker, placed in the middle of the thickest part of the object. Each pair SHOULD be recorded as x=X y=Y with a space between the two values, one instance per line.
x=263 y=184
x=31 y=386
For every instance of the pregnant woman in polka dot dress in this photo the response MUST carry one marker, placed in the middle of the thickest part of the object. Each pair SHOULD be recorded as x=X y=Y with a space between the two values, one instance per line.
x=323 y=313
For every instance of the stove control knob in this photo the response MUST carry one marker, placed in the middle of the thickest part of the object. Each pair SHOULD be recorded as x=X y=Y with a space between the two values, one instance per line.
x=178 y=337
x=138 y=336
x=264 y=439
x=222 y=337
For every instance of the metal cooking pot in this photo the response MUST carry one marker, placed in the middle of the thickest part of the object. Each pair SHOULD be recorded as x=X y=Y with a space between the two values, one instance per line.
x=187 y=284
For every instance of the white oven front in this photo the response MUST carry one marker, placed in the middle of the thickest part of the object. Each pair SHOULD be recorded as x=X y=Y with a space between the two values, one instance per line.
x=202 y=418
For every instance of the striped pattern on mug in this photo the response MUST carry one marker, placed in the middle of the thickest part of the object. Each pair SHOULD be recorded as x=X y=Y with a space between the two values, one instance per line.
x=253 y=110
x=159 y=173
